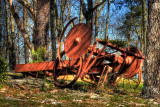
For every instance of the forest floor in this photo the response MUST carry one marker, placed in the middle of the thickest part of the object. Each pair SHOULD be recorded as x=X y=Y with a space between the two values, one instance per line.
x=30 y=92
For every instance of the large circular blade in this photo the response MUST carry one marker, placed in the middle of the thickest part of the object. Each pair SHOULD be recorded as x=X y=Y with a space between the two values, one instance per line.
x=78 y=41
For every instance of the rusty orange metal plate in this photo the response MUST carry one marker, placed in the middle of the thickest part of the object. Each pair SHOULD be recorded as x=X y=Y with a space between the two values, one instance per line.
x=78 y=41
x=41 y=66
x=33 y=67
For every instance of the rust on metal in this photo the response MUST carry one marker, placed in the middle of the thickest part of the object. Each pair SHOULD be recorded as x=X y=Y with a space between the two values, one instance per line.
x=88 y=62
x=81 y=34
x=34 y=67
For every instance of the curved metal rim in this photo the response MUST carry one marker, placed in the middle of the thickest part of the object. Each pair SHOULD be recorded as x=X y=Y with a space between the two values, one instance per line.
x=130 y=76
x=60 y=37
x=74 y=79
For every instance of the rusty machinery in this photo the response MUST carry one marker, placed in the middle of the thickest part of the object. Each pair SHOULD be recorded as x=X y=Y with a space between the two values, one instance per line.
x=87 y=62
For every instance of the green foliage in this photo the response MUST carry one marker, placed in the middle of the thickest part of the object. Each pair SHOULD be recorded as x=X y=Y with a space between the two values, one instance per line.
x=118 y=42
x=3 y=68
x=39 y=55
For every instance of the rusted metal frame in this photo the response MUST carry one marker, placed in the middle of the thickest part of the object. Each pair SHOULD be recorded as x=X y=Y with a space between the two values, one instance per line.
x=88 y=60
x=90 y=56
x=139 y=79
x=122 y=76
x=119 y=72
x=133 y=73
x=106 y=75
x=137 y=69
x=124 y=50
x=61 y=35
x=92 y=63
x=122 y=65
x=120 y=49
x=104 y=79
x=93 y=77
x=108 y=56
x=89 y=82
x=101 y=76
x=113 y=71
x=72 y=81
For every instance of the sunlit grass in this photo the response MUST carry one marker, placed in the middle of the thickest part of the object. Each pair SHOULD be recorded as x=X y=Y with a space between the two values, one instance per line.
x=81 y=94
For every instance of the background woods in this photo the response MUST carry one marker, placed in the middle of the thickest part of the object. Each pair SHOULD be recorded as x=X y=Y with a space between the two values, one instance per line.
x=30 y=29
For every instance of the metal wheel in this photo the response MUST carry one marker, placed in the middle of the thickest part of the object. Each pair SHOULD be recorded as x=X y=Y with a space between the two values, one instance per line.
x=132 y=72
x=66 y=72
x=67 y=76
x=136 y=76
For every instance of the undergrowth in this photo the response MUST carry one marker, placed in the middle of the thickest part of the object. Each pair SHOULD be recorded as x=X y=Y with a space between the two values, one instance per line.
x=82 y=94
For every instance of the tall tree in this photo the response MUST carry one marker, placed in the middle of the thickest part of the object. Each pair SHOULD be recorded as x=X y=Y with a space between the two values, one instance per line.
x=19 y=24
x=81 y=13
x=41 y=26
x=0 y=27
x=131 y=24
x=151 y=86
x=18 y=48
x=88 y=11
x=9 y=44
x=144 y=21
x=40 y=17
x=3 y=38
x=53 y=27
x=97 y=14
x=107 y=20
x=26 y=50
x=13 y=49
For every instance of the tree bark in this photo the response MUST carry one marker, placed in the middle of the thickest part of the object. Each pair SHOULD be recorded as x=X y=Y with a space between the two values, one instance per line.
x=89 y=17
x=0 y=28
x=97 y=15
x=144 y=18
x=9 y=46
x=151 y=88
x=88 y=13
x=18 y=50
x=41 y=36
x=53 y=28
x=26 y=49
x=107 y=20
x=80 y=14
x=13 y=49
x=20 y=25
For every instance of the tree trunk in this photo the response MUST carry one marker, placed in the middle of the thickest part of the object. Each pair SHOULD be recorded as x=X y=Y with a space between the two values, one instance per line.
x=144 y=18
x=53 y=28
x=107 y=20
x=26 y=49
x=41 y=24
x=13 y=49
x=96 y=21
x=18 y=53
x=4 y=48
x=0 y=27
x=88 y=12
x=80 y=14
x=97 y=15
x=9 y=46
x=151 y=88
x=89 y=17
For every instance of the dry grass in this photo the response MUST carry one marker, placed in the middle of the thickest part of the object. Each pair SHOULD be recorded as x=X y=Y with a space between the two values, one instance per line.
x=81 y=94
